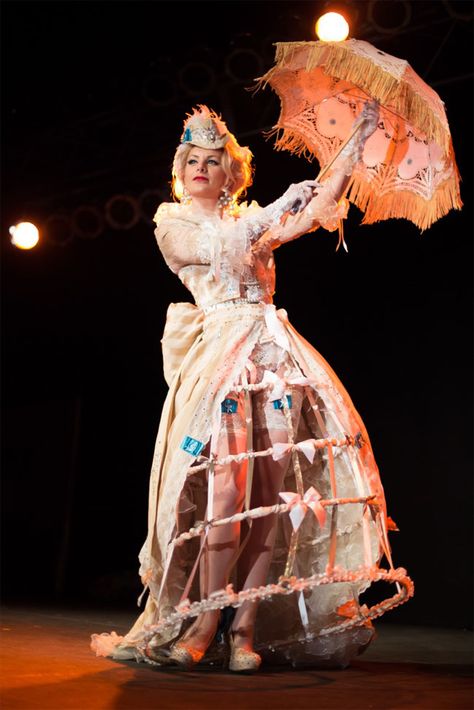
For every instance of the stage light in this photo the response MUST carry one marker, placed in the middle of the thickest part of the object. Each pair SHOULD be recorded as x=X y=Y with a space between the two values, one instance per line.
x=460 y=10
x=389 y=18
x=243 y=65
x=332 y=27
x=58 y=229
x=243 y=62
x=197 y=78
x=87 y=222
x=149 y=201
x=24 y=235
x=122 y=212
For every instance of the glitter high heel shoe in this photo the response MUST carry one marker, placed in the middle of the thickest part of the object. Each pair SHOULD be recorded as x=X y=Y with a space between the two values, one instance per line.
x=184 y=653
x=241 y=660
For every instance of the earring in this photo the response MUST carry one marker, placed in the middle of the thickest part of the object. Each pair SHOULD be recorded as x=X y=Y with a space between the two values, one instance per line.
x=185 y=198
x=225 y=199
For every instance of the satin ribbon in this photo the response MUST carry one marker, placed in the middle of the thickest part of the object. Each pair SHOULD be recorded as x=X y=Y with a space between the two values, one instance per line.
x=300 y=506
x=280 y=384
x=252 y=370
x=274 y=323
x=306 y=447
x=210 y=515
x=216 y=427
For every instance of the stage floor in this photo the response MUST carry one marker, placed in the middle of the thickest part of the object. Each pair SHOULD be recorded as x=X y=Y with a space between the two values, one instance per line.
x=46 y=664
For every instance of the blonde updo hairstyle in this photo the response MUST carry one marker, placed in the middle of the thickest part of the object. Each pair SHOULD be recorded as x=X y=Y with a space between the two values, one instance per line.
x=236 y=159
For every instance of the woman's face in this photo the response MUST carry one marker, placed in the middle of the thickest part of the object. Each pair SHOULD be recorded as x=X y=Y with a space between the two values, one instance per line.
x=204 y=175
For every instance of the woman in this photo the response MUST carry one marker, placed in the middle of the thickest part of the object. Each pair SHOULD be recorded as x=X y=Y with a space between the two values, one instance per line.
x=256 y=431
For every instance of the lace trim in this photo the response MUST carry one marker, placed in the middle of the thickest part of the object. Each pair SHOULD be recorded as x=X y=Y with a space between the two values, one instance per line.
x=297 y=196
x=330 y=213
x=290 y=585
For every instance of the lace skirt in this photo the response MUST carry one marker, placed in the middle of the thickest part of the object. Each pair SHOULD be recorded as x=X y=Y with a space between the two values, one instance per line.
x=331 y=516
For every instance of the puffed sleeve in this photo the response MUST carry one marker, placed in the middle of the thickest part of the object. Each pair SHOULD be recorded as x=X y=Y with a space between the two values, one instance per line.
x=181 y=241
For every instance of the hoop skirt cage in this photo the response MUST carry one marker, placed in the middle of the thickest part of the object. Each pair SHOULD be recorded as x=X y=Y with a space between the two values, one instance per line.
x=331 y=518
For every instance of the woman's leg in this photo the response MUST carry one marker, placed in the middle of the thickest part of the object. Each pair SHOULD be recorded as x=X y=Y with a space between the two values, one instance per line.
x=223 y=541
x=270 y=427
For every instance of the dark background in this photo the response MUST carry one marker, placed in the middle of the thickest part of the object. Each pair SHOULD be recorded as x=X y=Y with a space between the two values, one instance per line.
x=94 y=96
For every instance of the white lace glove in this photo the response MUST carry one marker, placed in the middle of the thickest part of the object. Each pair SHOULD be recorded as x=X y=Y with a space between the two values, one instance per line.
x=352 y=152
x=294 y=200
x=370 y=113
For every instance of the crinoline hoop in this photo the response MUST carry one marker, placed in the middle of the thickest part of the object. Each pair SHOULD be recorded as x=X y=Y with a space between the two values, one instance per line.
x=331 y=522
x=297 y=505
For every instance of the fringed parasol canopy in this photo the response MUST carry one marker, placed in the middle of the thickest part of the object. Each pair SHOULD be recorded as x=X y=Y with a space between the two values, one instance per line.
x=408 y=169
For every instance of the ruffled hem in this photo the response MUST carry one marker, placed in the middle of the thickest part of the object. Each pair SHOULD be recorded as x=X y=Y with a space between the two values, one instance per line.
x=110 y=646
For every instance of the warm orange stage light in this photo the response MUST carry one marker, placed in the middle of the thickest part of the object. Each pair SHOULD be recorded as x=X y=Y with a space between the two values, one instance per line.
x=332 y=27
x=24 y=235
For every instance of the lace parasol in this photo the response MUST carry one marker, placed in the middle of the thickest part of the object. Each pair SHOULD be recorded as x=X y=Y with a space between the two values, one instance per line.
x=408 y=168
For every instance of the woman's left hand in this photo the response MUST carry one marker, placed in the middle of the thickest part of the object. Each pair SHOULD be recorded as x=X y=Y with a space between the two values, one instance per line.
x=370 y=115
x=298 y=195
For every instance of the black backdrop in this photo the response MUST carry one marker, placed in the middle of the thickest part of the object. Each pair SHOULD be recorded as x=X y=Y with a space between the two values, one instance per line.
x=94 y=95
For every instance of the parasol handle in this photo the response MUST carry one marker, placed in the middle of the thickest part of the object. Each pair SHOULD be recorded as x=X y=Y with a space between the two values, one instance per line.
x=297 y=205
x=323 y=172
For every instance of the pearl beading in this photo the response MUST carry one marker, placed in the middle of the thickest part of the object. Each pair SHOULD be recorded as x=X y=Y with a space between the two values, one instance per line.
x=290 y=585
x=214 y=307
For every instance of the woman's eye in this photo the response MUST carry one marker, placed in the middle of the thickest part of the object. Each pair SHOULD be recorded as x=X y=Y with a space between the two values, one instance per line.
x=191 y=161
x=212 y=162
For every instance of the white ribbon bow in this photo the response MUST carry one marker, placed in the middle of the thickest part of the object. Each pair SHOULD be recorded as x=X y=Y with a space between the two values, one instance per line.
x=279 y=384
x=299 y=506
x=307 y=447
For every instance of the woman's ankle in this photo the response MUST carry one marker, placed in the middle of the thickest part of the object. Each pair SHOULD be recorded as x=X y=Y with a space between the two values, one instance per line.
x=209 y=619
x=203 y=627
x=242 y=637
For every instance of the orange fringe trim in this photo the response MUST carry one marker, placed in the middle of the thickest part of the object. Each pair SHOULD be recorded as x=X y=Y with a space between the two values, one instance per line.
x=399 y=204
x=403 y=204
x=338 y=60
x=287 y=139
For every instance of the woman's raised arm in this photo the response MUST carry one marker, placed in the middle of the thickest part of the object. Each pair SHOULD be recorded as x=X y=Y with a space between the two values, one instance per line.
x=325 y=207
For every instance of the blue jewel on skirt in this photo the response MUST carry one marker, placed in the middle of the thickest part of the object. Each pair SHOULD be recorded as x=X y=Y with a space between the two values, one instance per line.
x=278 y=404
x=192 y=446
x=229 y=406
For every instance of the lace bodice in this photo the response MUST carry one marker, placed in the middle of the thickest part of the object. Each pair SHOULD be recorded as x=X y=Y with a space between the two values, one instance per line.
x=230 y=257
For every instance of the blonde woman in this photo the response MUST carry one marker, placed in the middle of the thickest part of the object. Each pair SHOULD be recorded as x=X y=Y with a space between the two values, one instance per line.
x=256 y=431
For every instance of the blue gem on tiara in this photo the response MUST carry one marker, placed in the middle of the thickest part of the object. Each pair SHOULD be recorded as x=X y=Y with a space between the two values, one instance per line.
x=187 y=135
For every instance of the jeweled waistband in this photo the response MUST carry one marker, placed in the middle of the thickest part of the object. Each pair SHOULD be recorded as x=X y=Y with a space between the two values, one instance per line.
x=244 y=311
x=235 y=304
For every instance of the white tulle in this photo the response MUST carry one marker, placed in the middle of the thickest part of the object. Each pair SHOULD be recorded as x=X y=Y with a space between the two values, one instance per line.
x=105 y=644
